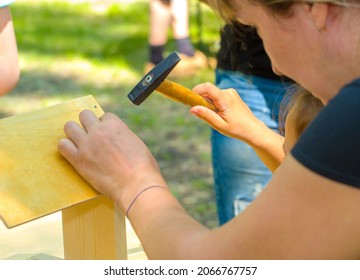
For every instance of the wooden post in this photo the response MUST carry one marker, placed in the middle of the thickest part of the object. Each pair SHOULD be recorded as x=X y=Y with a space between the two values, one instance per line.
x=94 y=230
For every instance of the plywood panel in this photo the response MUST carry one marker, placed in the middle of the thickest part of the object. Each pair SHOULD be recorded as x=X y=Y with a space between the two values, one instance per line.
x=35 y=180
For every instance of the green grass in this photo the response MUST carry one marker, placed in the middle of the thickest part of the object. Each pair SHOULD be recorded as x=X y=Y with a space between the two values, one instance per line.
x=68 y=50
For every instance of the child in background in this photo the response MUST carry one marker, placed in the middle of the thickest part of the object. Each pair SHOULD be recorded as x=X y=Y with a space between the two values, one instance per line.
x=175 y=14
x=297 y=114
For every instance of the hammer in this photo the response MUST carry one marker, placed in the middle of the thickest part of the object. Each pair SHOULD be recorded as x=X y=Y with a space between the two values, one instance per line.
x=155 y=80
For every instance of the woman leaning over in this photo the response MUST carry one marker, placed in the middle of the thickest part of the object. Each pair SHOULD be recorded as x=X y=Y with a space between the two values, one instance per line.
x=311 y=207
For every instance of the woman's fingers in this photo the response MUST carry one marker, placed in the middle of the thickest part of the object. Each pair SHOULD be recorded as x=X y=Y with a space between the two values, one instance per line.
x=74 y=132
x=209 y=116
x=207 y=90
x=68 y=147
x=88 y=119
x=68 y=150
x=219 y=97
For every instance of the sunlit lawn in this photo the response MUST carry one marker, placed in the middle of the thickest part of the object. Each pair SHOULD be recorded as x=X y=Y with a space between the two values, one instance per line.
x=99 y=48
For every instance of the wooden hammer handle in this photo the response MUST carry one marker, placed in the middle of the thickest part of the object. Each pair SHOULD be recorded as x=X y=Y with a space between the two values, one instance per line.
x=183 y=95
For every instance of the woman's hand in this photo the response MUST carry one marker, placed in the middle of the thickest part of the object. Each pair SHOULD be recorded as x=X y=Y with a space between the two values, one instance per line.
x=233 y=118
x=110 y=156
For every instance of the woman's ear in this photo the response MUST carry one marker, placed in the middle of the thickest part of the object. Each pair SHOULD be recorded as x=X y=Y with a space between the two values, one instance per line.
x=319 y=13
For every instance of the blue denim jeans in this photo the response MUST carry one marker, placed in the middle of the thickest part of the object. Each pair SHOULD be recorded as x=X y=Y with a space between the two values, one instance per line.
x=239 y=175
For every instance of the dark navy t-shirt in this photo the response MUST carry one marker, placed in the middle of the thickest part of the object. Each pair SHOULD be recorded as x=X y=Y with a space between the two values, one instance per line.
x=330 y=146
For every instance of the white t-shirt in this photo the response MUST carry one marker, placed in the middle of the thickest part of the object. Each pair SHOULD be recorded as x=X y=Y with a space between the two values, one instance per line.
x=4 y=3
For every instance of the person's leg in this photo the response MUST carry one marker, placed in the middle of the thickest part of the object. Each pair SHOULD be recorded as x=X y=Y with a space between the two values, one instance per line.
x=176 y=12
x=160 y=18
x=180 y=26
x=239 y=175
x=180 y=18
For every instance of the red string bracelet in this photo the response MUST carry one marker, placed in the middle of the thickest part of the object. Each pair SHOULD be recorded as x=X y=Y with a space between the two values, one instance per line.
x=136 y=197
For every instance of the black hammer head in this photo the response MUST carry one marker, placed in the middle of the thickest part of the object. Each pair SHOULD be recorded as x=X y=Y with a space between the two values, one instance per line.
x=153 y=79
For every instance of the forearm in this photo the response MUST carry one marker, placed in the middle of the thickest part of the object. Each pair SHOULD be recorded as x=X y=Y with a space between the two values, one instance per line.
x=9 y=64
x=164 y=228
x=269 y=147
x=9 y=75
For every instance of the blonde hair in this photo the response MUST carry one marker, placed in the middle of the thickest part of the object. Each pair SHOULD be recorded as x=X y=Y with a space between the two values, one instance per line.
x=304 y=108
